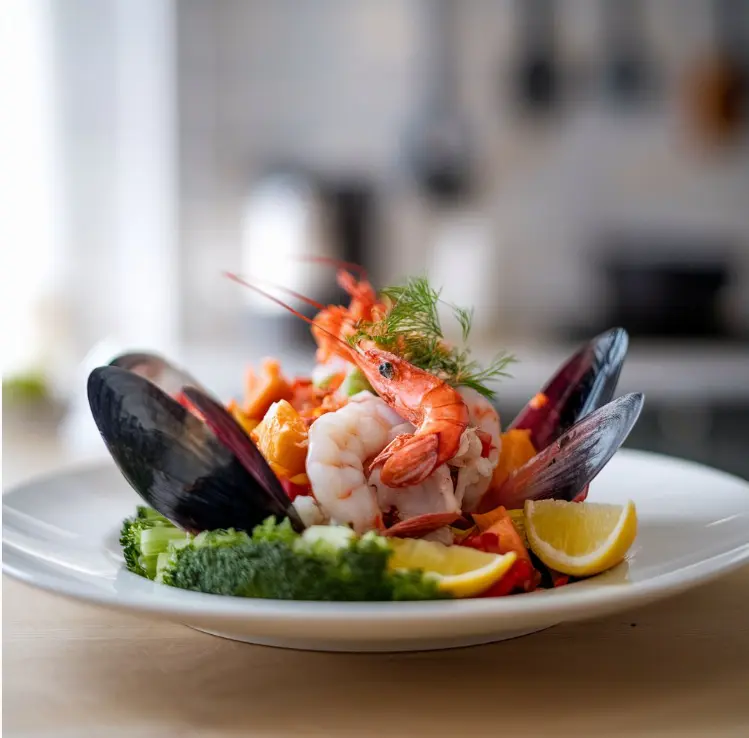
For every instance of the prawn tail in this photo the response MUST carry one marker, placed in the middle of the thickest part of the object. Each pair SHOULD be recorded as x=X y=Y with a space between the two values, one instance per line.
x=397 y=443
x=408 y=460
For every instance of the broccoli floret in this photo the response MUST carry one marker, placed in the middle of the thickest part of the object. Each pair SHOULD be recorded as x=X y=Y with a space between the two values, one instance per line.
x=277 y=563
x=413 y=585
x=148 y=513
x=130 y=544
x=153 y=542
x=143 y=537
x=270 y=531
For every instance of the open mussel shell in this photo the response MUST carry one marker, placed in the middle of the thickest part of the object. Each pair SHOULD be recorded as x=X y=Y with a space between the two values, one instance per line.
x=162 y=372
x=176 y=463
x=564 y=468
x=585 y=382
x=234 y=437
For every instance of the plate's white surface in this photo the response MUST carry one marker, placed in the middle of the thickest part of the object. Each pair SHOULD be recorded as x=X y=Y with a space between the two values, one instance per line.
x=60 y=534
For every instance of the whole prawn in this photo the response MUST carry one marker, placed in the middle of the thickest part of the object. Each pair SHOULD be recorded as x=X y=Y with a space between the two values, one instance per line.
x=336 y=322
x=433 y=406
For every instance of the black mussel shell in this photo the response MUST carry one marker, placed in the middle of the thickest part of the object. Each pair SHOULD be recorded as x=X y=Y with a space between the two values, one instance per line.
x=564 y=468
x=176 y=463
x=584 y=383
x=233 y=436
x=163 y=373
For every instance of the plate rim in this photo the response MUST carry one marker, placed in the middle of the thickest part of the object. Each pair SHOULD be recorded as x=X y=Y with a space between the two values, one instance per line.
x=573 y=602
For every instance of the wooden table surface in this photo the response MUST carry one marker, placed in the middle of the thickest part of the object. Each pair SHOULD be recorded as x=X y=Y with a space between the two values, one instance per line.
x=677 y=668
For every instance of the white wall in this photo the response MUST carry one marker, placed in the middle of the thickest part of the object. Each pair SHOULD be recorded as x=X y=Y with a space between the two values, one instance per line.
x=116 y=76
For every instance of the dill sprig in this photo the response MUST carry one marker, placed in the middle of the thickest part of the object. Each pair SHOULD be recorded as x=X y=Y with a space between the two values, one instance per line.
x=411 y=328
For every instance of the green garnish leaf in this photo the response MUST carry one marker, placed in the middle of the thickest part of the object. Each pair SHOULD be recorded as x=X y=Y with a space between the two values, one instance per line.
x=465 y=318
x=412 y=329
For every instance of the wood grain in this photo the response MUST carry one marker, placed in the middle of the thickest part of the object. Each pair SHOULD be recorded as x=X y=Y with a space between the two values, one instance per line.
x=680 y=667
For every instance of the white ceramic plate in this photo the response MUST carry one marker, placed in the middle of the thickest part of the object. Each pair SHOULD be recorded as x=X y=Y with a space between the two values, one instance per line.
x=60 y=534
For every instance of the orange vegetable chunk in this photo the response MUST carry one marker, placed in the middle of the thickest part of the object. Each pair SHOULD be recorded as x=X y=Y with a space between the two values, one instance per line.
x=264 y=389
x=517 y=449
x=281 y=438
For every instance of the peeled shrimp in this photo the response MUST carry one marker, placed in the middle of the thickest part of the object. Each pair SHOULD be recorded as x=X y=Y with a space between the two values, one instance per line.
x=434 y=496
x=474 y=468
x=309 y=511
x=339 y=445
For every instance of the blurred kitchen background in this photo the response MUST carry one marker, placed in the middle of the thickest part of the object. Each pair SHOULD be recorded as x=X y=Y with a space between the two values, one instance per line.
x=563 y=165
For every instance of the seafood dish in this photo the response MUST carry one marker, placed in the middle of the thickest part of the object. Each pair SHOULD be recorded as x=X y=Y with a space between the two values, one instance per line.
x=385 y=474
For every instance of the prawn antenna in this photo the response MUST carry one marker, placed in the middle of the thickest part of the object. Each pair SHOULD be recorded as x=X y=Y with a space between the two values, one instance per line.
x=281 y=303
x=292 y=293
x=338 y=263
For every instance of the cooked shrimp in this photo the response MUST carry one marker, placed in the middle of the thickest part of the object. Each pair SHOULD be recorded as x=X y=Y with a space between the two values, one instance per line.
x=475 y=460
x=478 y=454
x=434 y=495
x=309 y=510
x=436 y=408
x=364 y=304
x=338 y=322
x=332 y=322
x=424 y=400
x=339 y=445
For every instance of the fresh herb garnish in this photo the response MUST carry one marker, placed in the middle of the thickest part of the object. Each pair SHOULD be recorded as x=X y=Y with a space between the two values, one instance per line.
x=411 y=328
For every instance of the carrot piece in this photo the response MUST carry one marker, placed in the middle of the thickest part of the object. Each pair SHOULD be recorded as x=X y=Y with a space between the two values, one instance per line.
x=509 y=538
x=484 y=521
x=516 y=450
x=538 y=401
x=501 y=536
x=263 y=390
x=281 y=438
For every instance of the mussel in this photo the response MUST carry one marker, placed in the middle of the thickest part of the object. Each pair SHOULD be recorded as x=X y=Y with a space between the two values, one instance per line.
x=163 y=373
x=572 y=461
x=585 y=382
x=177 y=463
x=575 y=450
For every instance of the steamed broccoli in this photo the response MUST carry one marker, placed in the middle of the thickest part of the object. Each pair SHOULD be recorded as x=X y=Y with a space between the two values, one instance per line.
x=324 y=563
x=143 y=537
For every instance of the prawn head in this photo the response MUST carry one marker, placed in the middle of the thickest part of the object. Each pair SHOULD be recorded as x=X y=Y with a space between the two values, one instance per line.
x=424 y=400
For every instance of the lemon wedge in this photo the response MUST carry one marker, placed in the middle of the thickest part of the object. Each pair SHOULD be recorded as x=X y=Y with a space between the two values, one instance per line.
x=580 y=538
x=460 y=571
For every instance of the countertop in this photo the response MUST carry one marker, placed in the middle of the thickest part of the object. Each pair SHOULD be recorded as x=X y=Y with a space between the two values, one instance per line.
x=679 y=667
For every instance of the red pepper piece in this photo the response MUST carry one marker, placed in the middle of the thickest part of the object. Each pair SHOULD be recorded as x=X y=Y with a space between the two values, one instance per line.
x=521 y=576
x=295 y=490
